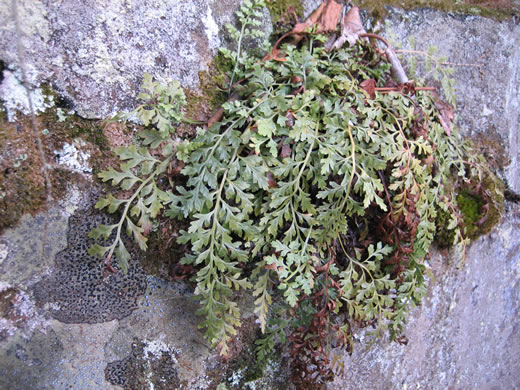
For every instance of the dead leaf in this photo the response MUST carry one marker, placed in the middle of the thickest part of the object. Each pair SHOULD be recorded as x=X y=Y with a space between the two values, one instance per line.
x=445 y=115
x=328 y=20
x=351 y=28
x=276 y=55
x=286 y=151
x=310 y=21
x=271 y=182
x=369 y=86
x=219 y=113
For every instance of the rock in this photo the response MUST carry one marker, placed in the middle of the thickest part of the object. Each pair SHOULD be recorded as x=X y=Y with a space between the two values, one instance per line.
x=77 y=291
x=62 y=326
x=465 y=334
x=142 y=332
x=95 y=53
x=486 y=57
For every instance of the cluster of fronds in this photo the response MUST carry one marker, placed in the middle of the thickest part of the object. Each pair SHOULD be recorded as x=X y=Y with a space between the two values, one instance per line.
x=312 y=190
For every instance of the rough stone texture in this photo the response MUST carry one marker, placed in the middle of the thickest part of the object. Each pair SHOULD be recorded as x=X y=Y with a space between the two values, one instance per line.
x=134 y=371
x=96 y=52
x=465 y=334
x=77 y=290
x=39 y=352
x=488 y=102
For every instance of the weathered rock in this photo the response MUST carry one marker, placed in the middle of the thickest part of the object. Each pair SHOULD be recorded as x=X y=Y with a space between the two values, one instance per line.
x=486 y=57
x=63 y=326
x=463 y=336
x=95 y=53
x=78 y=291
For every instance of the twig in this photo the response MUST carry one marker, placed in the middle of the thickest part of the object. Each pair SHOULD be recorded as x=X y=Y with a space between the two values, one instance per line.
x=397 y=68
x=444 y=63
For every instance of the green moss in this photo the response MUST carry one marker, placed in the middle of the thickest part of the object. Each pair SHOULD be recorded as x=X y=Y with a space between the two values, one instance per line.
x=479 y=215
x=277 y=8
x=470 y=207
x=498 y=10
x=201 y=104
x=496 y=188
x=22 y=186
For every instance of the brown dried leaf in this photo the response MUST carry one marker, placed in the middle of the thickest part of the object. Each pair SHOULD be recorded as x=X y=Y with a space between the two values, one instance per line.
x=276 y=55
x=219 y=113
x=310 y=21
x=329 y=18
x=271 y=182
x=351 y=28
x=369 y=86
x=286 y=151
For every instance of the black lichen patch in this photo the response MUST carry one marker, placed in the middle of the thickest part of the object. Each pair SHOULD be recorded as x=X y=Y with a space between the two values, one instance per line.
x=142 y=370
x=77 y=290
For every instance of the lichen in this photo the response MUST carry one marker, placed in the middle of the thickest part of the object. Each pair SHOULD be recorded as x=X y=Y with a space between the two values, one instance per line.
x=498 y=10
x=22 y=186
x=14 y=96
x=78 y=289
x=145 y=370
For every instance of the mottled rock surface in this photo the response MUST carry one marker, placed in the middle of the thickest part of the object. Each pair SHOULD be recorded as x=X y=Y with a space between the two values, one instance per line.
x=77 y=290
x=96 y=52
x=486 y=57
x=141 y=332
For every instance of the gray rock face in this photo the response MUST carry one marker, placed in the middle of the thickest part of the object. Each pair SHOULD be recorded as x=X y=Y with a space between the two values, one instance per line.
x=465 y=335
x=95 y=53
x=77 y=289
x=486 y=57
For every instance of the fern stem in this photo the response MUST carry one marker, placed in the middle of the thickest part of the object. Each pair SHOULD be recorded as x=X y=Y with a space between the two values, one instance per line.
x=127 y=207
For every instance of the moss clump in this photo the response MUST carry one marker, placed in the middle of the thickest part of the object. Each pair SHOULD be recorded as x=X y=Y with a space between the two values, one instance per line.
x=498 y=10
x=443 y=237
x=481 y=206
x=471 y=208
x=278 y=8
x=492 y=214
x=22 y=185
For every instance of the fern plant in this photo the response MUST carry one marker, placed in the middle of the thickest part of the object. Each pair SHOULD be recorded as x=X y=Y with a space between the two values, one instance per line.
x=140 y=170
x=318 y=195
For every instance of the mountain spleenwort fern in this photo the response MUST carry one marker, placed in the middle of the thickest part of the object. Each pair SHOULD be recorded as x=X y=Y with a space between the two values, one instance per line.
x=320 y=198
x=140 y=170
